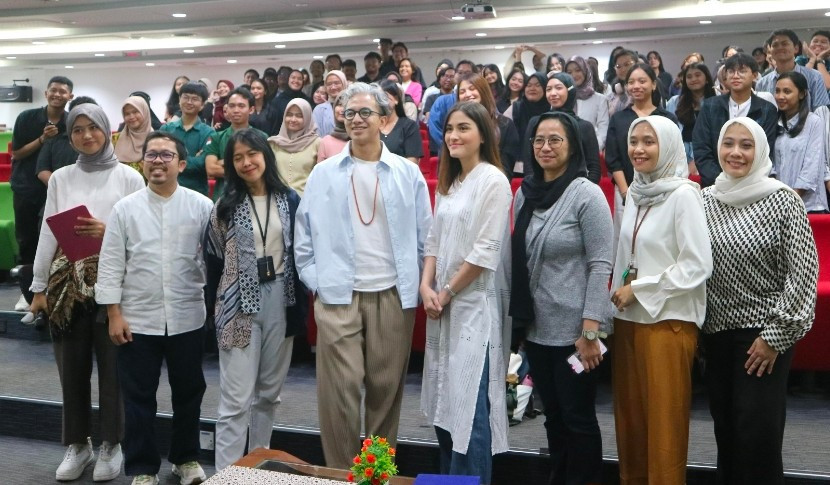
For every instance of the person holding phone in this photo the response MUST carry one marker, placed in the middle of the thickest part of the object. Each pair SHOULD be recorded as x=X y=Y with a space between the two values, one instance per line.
x=561 y=252
x=64 y=290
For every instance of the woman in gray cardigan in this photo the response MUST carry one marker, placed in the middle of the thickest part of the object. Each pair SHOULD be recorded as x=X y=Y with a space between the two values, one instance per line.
x=562 y=245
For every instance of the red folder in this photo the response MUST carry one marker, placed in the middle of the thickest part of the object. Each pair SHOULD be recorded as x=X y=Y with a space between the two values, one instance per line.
x=74 y=246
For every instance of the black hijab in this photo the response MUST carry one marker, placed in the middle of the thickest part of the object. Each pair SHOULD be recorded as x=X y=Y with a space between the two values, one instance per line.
x=524 y=110
x=570 y=103
x=539 y=194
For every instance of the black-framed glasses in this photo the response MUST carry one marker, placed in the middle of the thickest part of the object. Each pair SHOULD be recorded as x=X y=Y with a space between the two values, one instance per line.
x=553 y=141
x=165 y=156
x=364 y=113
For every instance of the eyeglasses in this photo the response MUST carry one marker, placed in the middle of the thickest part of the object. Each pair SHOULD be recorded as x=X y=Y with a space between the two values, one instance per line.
x=364 y=113
x=627 y=64
x=740 y=73
x=188 y=98
x=165 y=157
x=554 y=141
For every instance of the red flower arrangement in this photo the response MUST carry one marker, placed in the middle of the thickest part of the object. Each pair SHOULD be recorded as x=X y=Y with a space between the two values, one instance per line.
x=375 y=463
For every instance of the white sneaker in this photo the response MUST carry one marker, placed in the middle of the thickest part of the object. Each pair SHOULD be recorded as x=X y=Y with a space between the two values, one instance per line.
x=78 y=456
x=22 y=305
x=109 y=462
x=146 y=480
x=190 y=473
x=28 y=319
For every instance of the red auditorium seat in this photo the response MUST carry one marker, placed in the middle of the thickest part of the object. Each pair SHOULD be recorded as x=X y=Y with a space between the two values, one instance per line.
x=211 y=185
x=429 y=167
x=5 y=159
x=608 y=189
x=5 y=173
x=811 y=351
x=603 y=169
x=695 y=178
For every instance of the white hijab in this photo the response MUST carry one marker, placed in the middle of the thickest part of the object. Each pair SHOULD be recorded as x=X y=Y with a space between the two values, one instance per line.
x=671 y=172
x=755 y=185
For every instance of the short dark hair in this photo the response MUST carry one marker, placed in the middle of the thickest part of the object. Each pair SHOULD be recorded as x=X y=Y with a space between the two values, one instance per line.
x=349 y=62
x=270 y=71
x=740 y=60
x=788 y=33
x=384 y=40
x=468 y=62
x=180 y=148
x=629 y=53
x=823 y=33
x=393 y=88
x=256 y=73
x=372 y=54
x=400 y=44
x=61 y=80
x=196 y=88
x=245 y=93
x=332 y=56
x=81 y=100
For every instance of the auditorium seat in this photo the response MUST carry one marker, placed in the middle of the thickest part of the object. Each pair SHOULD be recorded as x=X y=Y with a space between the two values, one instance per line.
x=211 y=185
x=5 y=158
x=8 y=243
x=811 y=352
x=608 y=189
x=5 y=172
x=603 y=169
x=429 y=167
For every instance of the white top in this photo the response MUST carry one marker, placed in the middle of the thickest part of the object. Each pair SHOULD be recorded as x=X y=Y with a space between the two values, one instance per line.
x=471 y=224
x=737 y=110
x=594 y=110
x=801 y=161
x=673 y=256
x=373 y=256
x=70 y=187
x=151 y=262
x=273 y=240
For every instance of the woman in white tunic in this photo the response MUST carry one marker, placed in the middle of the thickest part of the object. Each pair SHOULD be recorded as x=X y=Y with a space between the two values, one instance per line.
x=463 y=392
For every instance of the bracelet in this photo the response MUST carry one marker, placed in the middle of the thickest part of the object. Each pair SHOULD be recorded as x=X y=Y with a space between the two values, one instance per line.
x=449 y=290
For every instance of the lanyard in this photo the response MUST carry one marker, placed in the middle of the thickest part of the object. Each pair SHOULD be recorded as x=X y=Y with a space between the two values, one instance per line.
x=262 y=233
x=637 y=225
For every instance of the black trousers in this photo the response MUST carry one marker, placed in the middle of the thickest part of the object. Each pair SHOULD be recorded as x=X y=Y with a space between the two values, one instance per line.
x=574 y=439
x=139 y=368
x=749 y=411
x=27 y=212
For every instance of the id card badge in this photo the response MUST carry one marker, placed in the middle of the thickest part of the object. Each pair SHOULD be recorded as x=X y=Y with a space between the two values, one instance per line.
x=629 y=275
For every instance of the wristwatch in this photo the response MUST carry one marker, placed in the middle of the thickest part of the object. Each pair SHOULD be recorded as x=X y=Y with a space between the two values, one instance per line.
x=593 y=334
x=449 y=290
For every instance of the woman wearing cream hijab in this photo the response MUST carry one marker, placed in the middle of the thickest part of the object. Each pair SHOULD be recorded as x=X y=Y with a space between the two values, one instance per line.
x=295 y=146
x=760 y=301
x=137 y=126
x=662 y=263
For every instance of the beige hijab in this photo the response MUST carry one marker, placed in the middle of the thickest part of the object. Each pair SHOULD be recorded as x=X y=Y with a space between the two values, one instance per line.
x=129 y=144
x=756 y=184
x=299 y=140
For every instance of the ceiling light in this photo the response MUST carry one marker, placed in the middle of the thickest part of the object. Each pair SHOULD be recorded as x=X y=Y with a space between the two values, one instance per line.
x=318 y=57
x=705 y=22
x=188 y=51
x=481 y=34
x=827 y=14
x=375 y=41
x=69 y=67
x=231 y=61
x=590 y=28
x=280 y=46
x=38 y=42
x=150 y=64
x=100 y=54
x=11 y=57
x=457 y=17
x=499 y=47
x=180 y=15
x=597 y=42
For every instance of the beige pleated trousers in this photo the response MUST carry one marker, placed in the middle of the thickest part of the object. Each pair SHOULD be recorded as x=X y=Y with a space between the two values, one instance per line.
x=365 y=343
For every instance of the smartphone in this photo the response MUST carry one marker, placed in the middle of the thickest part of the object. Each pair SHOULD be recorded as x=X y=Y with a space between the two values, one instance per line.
x=576 y=364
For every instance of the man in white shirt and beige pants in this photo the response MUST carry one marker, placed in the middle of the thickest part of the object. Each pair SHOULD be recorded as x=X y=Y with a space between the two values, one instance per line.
x=151 y=277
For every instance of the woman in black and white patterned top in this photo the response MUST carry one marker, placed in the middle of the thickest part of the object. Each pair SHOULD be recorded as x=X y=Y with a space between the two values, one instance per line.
x=760 y=301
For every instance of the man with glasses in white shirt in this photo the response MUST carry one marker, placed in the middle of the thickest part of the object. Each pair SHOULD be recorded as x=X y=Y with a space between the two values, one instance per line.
x=358 y=245
x=151 y=277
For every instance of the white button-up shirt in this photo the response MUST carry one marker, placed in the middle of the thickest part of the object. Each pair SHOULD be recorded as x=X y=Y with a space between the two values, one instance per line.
x=151 y=261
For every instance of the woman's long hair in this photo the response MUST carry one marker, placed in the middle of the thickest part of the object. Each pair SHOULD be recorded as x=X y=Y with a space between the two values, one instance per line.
x=497 y=87
x=505 y=95
x=487 y=99
x=235 y=188
x=173 y=99
x=449 y=167
x=655 y=95
x=685 y=111
x=803 y=104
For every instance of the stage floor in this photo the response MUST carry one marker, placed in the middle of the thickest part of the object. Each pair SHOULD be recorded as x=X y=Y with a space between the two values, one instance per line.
x=27 y=369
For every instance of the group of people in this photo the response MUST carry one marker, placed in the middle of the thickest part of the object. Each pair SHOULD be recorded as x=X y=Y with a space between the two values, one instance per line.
x=330 y=204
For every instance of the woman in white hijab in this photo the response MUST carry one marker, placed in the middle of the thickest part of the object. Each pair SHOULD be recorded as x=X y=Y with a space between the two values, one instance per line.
x=662 y=263
x=760 y=301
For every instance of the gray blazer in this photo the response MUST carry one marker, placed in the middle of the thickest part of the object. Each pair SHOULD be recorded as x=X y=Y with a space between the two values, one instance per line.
x=569 y=249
